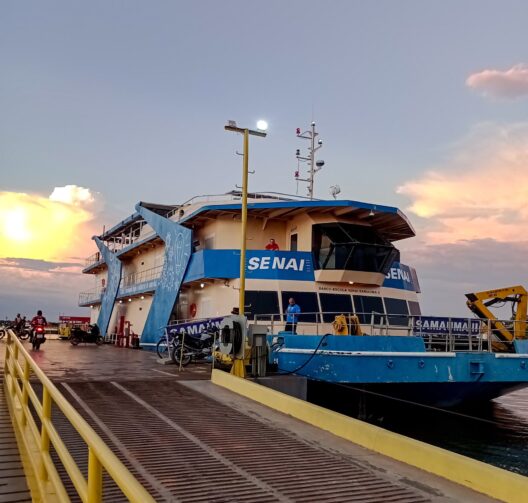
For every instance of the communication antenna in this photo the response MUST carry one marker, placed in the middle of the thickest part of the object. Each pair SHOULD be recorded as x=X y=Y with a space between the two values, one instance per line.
x=334 y=190
x=313 y=165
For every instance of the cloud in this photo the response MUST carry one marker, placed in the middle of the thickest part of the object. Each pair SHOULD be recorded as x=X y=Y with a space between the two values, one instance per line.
x=30 y=285
x=73 y=195
x=480 y=192
x=39 y=265
x=509 y=84
x=52 y=228
x=472 y=216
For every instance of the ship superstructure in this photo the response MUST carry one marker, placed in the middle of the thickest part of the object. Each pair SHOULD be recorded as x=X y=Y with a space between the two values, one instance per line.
x=180 y=263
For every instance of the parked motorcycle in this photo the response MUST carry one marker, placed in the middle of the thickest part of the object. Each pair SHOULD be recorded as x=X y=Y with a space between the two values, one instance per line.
x=38 y=337
x=192 y=347
x=93 y=336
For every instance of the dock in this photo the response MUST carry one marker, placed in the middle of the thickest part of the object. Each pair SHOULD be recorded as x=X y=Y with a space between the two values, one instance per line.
x=186 y=439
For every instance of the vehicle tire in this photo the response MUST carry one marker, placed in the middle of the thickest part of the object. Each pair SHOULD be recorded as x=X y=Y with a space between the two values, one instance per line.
x=2 y=333
x=23 y=335
x=162 y=348
x=99 y=340
x=176 y=354
x=74 y=341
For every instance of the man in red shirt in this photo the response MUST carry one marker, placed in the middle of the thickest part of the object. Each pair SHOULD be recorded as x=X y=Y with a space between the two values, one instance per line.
x=272 y=245
x=36 y=321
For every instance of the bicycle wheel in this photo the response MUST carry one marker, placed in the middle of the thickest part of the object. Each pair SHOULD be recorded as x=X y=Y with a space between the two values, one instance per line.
x=162 y=349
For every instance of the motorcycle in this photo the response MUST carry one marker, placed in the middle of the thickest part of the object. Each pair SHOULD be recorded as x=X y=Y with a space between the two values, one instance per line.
x=22 y=333
x=38 y=337
x=192 y=347
x=78 y=335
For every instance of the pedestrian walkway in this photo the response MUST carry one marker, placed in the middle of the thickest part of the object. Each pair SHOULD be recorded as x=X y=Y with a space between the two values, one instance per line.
x=13 y=487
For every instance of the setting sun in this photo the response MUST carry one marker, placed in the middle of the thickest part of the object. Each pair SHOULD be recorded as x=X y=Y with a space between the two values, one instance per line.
x=36 y=227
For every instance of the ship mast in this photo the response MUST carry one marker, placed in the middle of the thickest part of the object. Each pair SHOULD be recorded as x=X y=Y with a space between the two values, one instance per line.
x=313 y=165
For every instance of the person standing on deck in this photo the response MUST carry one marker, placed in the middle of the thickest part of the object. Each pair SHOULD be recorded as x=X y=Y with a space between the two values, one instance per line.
x=292 y=316
x=272 y=245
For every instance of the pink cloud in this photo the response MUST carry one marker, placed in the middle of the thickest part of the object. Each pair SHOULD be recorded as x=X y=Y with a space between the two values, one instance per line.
x=480 y=192
x=508 y=84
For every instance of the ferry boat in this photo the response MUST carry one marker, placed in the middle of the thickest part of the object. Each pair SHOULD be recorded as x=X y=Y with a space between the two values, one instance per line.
x=178 y=266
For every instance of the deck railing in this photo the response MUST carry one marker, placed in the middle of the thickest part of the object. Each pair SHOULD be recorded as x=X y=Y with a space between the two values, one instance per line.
x=38 y=437
x=91 y=296
x=139 y=277
x=439 y=334
x=92 y=259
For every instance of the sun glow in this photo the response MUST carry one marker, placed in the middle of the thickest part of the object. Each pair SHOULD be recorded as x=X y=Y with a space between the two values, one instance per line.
x=36 y=227
x=15 y=225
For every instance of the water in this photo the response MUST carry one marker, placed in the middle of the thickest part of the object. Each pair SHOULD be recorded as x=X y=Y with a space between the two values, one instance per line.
x=495 y=433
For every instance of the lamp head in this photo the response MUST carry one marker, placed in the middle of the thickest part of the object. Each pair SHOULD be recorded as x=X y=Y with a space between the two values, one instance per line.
x=262 y=125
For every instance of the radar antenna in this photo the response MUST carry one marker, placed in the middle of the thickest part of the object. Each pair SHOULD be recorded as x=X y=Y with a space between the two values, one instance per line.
x=313 y=165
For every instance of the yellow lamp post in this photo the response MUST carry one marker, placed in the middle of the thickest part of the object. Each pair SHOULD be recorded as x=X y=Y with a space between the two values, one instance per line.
x=238 y=368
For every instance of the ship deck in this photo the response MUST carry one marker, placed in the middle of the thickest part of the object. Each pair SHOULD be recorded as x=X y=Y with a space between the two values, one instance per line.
x=188 y=440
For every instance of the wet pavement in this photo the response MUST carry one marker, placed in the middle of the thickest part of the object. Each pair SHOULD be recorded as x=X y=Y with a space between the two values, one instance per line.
x=88 y=362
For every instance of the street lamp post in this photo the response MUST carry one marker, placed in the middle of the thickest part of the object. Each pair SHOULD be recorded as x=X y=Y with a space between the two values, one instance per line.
x=262 y=126
x=261 y=131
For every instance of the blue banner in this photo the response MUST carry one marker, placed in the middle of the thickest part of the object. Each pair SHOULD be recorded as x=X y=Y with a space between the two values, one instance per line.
x=403 y=277
x=195 y=327
x=264 y=264
x=442 y=326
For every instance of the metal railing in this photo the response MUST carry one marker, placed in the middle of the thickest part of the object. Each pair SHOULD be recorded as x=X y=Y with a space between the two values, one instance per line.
x=33 y=421
x=449 y=334
x=92 y=259
x=90 y=296
x=139 y=277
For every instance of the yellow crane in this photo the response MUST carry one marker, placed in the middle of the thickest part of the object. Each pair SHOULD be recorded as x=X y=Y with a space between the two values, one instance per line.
x=480 y=302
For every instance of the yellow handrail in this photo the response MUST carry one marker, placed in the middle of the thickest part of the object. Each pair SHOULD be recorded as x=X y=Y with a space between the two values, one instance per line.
x=35 y=442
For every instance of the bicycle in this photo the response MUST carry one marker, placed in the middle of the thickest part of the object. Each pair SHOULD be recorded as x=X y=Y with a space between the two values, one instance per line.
x=166 y=344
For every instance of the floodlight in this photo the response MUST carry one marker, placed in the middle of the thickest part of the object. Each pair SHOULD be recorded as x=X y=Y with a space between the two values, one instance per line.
x=262 y=125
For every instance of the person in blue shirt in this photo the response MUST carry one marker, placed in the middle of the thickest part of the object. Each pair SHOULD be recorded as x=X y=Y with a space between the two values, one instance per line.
x=292 y=316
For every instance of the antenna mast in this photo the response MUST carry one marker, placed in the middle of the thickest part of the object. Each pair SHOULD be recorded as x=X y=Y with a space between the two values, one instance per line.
x=314 y=166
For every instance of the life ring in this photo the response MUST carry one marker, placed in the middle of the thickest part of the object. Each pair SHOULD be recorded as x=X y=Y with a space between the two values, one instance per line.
x=193 y=310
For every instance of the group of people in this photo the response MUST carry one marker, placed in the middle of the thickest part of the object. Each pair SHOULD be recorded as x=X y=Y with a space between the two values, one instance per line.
x=37 y=320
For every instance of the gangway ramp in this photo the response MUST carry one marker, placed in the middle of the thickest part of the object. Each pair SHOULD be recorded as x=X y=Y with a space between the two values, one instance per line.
x=13 y=486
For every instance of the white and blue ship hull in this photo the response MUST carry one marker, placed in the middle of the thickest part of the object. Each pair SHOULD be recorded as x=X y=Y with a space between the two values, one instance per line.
x=400 y=366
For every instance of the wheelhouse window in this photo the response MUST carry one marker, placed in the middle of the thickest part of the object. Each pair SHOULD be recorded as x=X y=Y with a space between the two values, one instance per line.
x=366 y=306
x=334 y=304
x=261 y=303
x=307 y=301
x=398 y=309
x=414 y=308
x=351 y=247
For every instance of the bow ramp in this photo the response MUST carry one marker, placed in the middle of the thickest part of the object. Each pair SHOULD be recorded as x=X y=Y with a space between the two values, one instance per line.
x=110 y=424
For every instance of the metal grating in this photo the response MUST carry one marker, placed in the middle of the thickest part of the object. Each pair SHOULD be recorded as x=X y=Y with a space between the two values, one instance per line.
x=185 y=447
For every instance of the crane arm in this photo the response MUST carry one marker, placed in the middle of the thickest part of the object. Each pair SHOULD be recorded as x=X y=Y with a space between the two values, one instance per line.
x=479 y=303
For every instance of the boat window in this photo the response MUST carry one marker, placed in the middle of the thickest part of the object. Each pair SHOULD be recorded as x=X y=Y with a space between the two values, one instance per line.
x=414 y=308
x=333 y=305
x=365 y=306
x=351 y=247
x=397 y=307
x=261 y=302
x=307 y=301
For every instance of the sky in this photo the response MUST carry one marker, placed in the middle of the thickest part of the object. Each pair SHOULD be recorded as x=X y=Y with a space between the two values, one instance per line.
x=421 y=105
